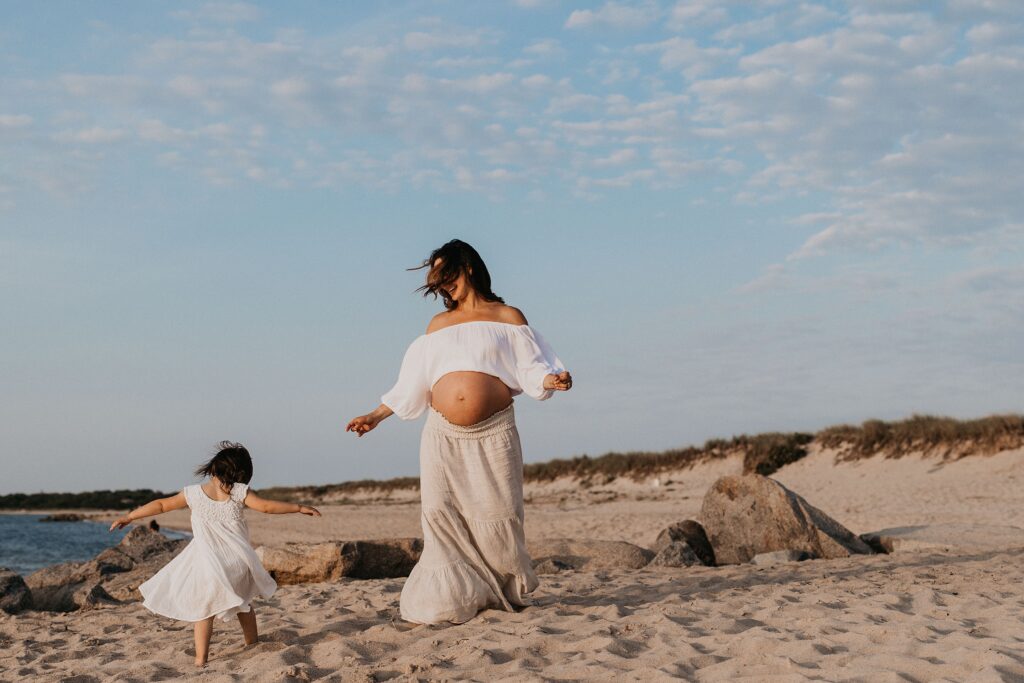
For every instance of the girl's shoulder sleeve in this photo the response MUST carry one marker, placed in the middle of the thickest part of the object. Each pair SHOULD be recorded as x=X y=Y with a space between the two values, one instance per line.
x=239 y=491
x=190 y=492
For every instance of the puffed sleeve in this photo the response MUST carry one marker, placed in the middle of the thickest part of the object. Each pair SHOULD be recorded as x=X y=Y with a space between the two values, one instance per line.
x=535 y=359
x=411 y=394
x=239 y=491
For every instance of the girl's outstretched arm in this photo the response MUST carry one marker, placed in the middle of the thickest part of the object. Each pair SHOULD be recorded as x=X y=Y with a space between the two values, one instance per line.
x=277 y=507
x=153 y=507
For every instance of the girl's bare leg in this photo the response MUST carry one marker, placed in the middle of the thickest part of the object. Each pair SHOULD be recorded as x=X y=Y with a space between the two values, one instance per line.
x=248 y=622
x=203 y=629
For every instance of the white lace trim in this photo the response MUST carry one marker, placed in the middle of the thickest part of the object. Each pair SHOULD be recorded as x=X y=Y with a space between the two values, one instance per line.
x=206 y=508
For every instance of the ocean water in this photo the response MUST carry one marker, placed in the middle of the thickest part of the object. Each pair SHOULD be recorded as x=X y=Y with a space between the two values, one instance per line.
x=26 y=544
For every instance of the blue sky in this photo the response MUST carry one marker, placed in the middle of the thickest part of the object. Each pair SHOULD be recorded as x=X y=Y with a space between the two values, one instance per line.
x=727 y=217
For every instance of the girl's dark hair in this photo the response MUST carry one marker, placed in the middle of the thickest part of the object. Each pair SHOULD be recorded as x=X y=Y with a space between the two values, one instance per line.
x=232 y=465
x=457 y=257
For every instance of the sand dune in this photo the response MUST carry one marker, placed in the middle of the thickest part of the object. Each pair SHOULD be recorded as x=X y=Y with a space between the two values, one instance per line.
x=914 y=616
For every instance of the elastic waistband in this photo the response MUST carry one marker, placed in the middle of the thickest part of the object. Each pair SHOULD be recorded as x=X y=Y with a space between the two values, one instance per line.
x=501 y=421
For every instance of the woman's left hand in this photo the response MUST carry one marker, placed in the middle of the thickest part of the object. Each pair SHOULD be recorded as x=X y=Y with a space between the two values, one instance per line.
x=560 y=382
x=121 y=523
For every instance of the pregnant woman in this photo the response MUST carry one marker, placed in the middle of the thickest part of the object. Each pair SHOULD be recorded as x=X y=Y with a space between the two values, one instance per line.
x=475 y=356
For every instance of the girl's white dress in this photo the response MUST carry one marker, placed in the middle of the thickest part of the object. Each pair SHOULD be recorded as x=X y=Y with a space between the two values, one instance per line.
x=218 y=572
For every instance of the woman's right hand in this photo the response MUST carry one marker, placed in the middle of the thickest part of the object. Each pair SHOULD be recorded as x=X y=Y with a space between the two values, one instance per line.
x=363 y=424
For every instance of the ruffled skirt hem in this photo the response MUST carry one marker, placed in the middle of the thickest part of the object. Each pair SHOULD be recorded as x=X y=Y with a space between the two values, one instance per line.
x=455 y=592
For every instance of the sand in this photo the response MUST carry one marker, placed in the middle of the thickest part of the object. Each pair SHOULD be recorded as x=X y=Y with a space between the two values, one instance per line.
x=954 y=615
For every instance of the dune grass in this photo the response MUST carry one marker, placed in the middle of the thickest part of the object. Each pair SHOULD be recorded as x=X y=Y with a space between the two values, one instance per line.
x=929 y=435
x=935 y=436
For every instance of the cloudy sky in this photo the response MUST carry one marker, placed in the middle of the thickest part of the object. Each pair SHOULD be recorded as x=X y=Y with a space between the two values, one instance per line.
x=727 y=217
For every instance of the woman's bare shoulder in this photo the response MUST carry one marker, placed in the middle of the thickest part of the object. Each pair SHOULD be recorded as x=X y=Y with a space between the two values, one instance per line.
x=439 y=321
x=511 y=315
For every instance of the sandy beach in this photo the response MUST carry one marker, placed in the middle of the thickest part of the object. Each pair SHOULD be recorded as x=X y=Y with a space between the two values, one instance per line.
x=949 y=612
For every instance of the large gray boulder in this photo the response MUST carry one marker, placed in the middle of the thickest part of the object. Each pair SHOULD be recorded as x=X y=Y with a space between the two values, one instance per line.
x=591 y=555
x=329 y=561
x=748 y=515
x=692 y=534
x=14 y=594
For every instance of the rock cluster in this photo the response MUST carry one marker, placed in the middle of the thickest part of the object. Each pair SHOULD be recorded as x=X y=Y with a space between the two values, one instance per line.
x=112 y=576
x=748 y=518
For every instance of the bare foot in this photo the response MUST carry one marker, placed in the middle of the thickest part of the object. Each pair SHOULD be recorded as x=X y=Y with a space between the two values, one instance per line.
x=201 y=663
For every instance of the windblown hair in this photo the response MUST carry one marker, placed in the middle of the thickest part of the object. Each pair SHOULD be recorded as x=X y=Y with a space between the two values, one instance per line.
x=456 y=258
x=232 y=465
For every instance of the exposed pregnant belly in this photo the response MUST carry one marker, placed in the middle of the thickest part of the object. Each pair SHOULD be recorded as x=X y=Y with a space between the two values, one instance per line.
x=465 y=398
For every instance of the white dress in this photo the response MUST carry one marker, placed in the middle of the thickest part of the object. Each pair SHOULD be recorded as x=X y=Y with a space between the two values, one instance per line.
x=218 y=572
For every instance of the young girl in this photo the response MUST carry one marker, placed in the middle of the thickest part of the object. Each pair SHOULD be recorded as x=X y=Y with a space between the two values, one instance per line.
x=218 y=573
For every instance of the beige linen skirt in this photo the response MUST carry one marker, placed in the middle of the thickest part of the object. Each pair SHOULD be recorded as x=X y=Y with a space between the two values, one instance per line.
x=474 y=550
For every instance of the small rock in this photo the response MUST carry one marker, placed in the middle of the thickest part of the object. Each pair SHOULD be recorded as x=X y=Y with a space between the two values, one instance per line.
x=676 y=554
x=691 y=533
x=14 y=593
x=551 y=566
x=63 y=517
x=781 y=557
x=592 y=555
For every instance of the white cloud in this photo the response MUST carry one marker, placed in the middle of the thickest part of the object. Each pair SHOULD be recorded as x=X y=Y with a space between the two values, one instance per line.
x=15 y=120
x=614 y=15
x=420 y=40
x=222 y=13
x=91 y=136
x=544 y=48
x=687 y=13
x=616 y=158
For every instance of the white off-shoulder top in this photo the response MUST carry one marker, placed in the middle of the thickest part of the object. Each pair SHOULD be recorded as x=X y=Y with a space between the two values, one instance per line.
x=515 y=354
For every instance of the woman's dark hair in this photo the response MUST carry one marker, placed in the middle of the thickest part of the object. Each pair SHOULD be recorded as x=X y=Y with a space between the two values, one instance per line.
x=232 y=465
x=456 y=257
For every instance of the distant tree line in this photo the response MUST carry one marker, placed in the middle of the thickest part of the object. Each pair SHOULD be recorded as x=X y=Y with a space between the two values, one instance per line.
x=94 y=500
